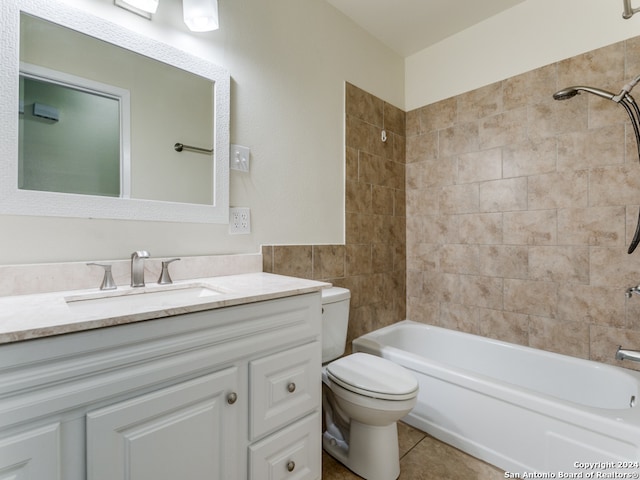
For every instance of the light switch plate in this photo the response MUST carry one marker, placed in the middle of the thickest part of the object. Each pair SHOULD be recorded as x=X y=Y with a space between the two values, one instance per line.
x=239 y=157
x=239 y=220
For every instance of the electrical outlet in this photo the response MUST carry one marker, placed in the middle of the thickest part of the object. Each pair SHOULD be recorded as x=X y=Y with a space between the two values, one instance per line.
x=239 y=157
x=239 y=220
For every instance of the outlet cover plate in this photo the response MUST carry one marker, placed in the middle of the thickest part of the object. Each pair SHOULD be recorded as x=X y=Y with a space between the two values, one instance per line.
x=239 y=220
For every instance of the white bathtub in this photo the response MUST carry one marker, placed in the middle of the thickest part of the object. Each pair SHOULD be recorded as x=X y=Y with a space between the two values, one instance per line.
x=521 y=409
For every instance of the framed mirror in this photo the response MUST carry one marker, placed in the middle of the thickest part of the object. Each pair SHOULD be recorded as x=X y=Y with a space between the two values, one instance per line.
x=115 y=158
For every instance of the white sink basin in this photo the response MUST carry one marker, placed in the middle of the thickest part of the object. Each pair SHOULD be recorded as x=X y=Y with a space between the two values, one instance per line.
x=140 y=299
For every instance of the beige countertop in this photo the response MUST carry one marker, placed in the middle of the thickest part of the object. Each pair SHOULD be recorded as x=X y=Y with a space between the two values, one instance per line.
x=24 y=317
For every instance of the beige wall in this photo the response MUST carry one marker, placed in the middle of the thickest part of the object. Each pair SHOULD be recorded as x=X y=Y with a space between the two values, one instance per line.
x=372 y=262
x=520 y=209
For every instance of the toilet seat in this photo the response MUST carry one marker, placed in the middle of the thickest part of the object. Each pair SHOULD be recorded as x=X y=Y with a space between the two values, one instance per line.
x=373 y=376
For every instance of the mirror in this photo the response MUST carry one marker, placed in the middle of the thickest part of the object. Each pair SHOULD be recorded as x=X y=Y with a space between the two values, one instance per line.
x=172 y=97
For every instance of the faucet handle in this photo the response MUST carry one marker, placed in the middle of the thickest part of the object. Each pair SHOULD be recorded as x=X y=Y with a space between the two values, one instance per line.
x=107 y=280
x=165 y=278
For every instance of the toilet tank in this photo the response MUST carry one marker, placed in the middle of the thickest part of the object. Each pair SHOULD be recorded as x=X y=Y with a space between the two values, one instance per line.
x=335 y=319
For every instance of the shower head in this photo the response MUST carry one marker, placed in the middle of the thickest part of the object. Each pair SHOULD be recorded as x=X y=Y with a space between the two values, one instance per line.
x=566 y=94
x=633 y=110
x=570 y=92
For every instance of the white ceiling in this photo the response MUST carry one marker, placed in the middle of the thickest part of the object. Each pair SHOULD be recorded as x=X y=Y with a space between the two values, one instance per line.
x=408 y=26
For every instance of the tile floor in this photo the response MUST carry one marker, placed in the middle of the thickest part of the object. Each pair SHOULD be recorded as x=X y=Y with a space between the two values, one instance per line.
x=422 y=457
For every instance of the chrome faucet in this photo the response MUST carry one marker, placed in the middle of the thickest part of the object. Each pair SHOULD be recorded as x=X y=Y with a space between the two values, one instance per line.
x=137 y=268
x=631 y=290
x=622 y=354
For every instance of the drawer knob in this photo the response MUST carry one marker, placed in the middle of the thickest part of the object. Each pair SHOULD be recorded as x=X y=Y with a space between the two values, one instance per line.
x=291 y=387
x=291 y=465
x=231 y=398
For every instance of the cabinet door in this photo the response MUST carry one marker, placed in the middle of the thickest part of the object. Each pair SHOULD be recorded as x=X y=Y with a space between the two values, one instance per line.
x=32 y=455
x=186 y=431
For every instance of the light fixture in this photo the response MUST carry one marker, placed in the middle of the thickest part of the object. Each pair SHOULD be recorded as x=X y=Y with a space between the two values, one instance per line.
x=200 y=15
x=144 y=8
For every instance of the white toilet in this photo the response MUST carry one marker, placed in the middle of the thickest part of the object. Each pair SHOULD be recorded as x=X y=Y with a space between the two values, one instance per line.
x=363 y=396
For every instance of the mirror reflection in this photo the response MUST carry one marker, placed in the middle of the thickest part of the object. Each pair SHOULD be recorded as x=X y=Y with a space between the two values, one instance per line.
x=98 y=119
x=69 y=139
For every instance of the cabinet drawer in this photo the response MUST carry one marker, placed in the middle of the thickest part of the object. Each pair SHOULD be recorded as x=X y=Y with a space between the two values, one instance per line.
x=293 y=453
x=284 y=386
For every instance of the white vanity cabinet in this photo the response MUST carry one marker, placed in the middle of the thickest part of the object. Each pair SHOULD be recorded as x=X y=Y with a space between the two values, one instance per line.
x=229 y=394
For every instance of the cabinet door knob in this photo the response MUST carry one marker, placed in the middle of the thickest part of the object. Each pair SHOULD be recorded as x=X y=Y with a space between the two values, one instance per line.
x=231 y=398
x=291 y=387
x=291 y=465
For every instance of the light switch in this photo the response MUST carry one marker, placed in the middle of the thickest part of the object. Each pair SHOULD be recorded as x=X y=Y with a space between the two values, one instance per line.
x=239 y=157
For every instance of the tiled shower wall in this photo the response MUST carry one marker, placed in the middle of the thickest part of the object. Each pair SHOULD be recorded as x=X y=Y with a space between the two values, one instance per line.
x=372 y=263
x=520 y=209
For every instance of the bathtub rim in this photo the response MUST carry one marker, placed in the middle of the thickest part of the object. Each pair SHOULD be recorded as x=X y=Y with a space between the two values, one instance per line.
x=522 y=396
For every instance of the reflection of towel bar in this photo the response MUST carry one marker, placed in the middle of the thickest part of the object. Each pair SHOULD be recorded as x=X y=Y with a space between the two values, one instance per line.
x=180 y=147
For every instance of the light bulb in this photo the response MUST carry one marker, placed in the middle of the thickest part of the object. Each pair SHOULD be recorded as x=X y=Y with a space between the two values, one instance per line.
x=200 y=15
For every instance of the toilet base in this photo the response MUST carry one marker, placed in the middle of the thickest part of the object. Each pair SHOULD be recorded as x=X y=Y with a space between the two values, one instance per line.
x=372 y=451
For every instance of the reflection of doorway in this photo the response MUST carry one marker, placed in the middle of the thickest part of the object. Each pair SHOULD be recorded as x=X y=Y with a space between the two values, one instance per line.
x=71 y=135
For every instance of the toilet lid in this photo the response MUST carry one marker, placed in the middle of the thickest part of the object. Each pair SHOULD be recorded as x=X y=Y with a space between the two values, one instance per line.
x=373 y=376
